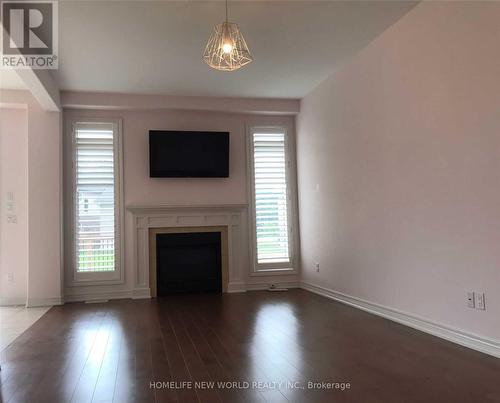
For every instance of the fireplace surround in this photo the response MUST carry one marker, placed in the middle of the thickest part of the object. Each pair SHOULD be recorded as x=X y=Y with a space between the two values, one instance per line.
x=229 y=220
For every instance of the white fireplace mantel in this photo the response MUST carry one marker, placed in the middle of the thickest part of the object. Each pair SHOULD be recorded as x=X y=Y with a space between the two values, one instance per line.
x=233 y=216
x=139 y=209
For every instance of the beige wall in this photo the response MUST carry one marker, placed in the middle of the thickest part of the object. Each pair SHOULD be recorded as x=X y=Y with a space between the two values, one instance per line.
x=44 y=282
x=13 y=203
x=45 y=206
x=399 y=169
x=140 y=189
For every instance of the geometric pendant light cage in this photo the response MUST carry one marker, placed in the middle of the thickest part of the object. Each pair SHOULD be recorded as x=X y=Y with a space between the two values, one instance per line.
x=226 y=48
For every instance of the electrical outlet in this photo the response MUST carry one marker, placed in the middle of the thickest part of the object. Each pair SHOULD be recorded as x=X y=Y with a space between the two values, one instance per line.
x=317 y=267
x=470 y=300
x=10 y=277
x=479 y=301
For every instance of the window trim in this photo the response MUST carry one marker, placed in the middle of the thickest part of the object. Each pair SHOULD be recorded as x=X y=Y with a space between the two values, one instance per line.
x=97 y=278
x=259 y=269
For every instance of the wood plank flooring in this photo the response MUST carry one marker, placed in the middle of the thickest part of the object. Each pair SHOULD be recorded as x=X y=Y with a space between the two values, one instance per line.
x=268 y=346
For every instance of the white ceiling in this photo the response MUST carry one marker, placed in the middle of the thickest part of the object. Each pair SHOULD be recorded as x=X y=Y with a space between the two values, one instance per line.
x=155 y=47
x=9 y=80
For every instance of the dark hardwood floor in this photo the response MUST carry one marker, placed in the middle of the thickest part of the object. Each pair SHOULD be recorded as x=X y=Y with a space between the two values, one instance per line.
x=113 y=352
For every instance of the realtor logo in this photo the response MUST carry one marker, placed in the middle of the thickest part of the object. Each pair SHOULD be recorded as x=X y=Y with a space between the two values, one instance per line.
x=29 y=34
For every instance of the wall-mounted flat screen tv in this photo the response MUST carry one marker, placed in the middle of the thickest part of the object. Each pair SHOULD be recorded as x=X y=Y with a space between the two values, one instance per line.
x=188 y=154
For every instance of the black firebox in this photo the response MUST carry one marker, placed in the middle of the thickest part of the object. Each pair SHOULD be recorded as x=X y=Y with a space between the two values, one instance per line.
x=188 y=263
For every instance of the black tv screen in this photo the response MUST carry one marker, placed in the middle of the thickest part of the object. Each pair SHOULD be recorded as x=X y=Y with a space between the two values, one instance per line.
x=186 y=154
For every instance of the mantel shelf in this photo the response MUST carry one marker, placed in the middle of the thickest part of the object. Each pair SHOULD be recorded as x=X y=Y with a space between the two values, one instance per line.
x=144 y=209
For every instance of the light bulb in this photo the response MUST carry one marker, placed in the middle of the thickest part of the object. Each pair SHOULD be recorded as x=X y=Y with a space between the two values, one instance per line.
x=227 y=48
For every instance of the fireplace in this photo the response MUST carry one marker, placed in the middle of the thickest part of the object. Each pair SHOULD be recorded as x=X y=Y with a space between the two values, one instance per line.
x=188 y=260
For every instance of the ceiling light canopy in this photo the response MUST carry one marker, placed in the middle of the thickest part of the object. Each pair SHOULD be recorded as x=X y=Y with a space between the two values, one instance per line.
x=226 y=48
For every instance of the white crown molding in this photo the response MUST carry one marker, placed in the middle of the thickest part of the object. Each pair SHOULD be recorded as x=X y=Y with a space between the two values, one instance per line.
x=487 y=346
x=117 y=101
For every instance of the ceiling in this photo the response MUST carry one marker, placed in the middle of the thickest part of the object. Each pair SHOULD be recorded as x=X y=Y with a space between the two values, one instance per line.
x=9 y=80
x=151 y=47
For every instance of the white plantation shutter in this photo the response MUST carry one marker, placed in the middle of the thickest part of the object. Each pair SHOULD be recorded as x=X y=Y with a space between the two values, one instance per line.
x=270 y=198
x=95 y=197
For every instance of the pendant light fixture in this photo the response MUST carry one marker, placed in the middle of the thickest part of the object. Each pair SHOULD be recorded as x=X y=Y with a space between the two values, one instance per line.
x=226 y=48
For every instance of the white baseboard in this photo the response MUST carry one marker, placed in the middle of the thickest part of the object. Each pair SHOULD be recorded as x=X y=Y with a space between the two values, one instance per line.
x=141 y=293
x=267 y=284
x=144 y=293
x=97 y=296
x=236 y=287
x=38 y=302
x=15 y=301
x=243 y=287
x=487 y=346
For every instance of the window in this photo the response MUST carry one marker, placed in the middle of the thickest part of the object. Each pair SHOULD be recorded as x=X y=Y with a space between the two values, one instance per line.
x=97 y=201
x=271 y=199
